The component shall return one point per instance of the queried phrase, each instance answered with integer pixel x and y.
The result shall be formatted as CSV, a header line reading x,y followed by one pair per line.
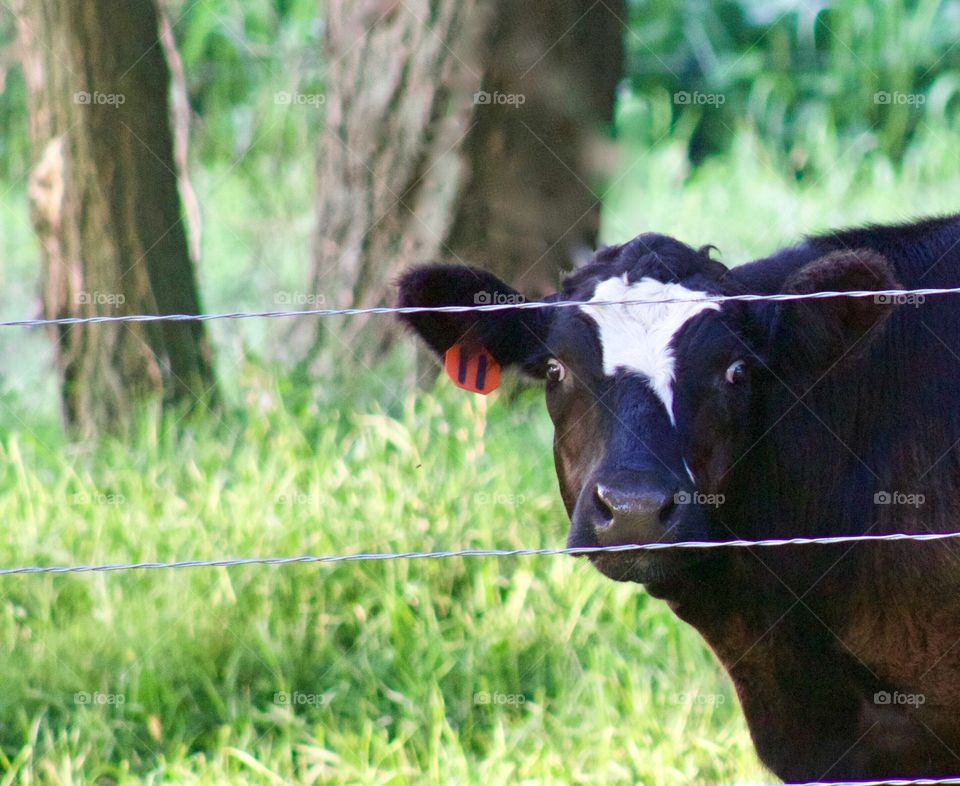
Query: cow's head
x,y
654,405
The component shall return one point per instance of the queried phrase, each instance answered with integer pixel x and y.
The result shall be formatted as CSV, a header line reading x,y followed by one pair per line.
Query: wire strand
x,y
896,296
227,562
885,782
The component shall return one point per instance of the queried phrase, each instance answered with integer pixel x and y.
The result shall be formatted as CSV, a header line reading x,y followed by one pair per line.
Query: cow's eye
x,y
555,371
736,373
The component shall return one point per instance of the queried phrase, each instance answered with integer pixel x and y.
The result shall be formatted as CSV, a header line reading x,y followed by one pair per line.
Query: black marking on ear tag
x,y
481,372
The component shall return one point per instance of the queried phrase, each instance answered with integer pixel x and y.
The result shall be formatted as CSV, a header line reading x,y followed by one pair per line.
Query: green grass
x,y
388,656
743,204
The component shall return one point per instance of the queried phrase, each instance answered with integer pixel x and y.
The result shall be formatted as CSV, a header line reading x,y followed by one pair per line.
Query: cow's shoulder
x,y
893,239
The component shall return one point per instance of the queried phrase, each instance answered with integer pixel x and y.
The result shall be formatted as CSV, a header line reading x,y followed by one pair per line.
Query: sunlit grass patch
x,y
513,669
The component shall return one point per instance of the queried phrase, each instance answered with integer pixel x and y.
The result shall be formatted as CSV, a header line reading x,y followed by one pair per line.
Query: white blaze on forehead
x,y
638,337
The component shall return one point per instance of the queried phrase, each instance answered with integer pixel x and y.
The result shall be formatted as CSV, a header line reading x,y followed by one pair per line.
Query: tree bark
x,y
460,130
107,211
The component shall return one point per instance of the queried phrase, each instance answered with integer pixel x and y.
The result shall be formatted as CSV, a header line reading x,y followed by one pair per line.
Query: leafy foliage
x,y
789,69
240,58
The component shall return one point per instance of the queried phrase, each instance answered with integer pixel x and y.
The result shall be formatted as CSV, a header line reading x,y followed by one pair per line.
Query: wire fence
x,y
884,782
886,296
577,551
889,296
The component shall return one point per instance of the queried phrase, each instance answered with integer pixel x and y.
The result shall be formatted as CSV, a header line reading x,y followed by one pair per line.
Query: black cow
x,y
693,420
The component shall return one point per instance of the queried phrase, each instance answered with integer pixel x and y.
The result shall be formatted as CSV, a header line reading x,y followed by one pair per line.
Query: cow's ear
x,y
513,337
822,332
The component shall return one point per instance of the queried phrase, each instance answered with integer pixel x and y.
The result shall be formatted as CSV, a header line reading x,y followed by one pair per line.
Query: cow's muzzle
x,y
624,508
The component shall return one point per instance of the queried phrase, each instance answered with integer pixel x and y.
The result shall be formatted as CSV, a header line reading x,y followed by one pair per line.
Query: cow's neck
x,y
809,700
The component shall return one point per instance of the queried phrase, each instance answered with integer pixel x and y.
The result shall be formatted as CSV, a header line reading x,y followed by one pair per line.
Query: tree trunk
x,y
460,130
106,208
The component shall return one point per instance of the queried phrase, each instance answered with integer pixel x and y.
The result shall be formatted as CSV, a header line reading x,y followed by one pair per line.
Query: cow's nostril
x,y
667,510
604,504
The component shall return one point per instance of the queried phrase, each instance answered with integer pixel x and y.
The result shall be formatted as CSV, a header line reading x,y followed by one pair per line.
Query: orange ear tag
x,y
477,372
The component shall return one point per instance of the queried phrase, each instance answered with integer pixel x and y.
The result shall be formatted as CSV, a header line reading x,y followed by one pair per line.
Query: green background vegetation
x,y
360,459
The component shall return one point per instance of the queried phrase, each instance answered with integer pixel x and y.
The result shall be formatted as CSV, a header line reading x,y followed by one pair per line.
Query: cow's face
x,y
655,405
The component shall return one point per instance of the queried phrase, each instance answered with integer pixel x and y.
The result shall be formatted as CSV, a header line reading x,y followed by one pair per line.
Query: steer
x,y
695,420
